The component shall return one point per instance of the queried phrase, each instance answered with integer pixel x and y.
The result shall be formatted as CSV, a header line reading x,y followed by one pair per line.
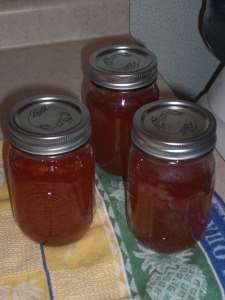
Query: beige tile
x,y
60,68
35,22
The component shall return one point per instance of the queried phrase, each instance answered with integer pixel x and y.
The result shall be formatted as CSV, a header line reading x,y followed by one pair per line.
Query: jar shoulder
x,y
143,163
98,94
24,162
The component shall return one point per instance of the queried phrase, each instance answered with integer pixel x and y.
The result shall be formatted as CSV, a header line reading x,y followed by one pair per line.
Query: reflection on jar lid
x,y
48,124
123,67
174,129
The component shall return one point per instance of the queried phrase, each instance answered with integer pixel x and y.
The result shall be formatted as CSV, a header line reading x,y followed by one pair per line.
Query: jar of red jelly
x,y
51,169
122,79
171,174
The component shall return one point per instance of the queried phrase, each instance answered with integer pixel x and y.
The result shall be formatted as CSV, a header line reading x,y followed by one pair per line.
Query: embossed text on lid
x,y
48,124
123,67
174,129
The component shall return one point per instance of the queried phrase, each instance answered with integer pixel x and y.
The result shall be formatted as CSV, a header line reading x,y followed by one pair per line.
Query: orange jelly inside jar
x,y
52,190
169,203
171,175
122,79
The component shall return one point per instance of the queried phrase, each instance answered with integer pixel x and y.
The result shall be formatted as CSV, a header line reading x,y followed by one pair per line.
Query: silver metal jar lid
x,y
174,129
48,125
123,67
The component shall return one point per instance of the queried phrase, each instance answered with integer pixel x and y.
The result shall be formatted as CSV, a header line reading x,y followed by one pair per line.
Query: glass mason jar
x,y
122,79
171,174
51,169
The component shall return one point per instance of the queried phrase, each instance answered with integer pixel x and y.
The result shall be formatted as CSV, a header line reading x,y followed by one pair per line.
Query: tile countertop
x,y
62,68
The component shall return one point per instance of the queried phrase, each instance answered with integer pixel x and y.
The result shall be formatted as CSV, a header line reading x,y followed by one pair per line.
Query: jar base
x,y
112,170
163,248
58,241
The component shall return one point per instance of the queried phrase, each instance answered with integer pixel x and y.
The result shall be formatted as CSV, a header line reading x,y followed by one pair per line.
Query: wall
x,y
171,29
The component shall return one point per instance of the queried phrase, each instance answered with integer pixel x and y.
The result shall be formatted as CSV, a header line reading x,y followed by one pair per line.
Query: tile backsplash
x,y
26,23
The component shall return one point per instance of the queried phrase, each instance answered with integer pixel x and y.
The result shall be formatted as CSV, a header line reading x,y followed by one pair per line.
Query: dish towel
x,y
108,262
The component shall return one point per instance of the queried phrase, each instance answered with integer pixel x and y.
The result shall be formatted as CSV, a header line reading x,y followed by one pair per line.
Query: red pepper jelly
x,y
171,174
51,169
122,79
